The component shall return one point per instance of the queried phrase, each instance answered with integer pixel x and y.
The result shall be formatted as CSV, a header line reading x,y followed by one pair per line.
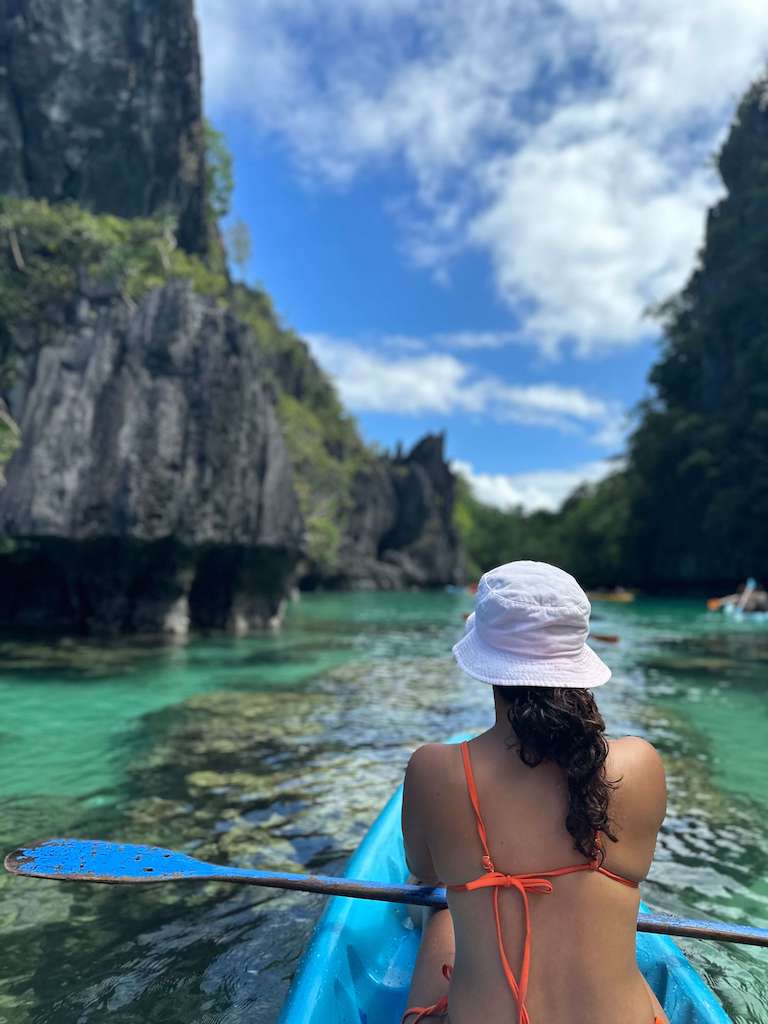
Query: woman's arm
x,y
638,805
415,818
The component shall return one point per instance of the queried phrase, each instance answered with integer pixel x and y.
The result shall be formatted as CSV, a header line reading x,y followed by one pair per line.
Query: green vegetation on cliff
x,y
50,250
691,505
219,177
9,439
323,442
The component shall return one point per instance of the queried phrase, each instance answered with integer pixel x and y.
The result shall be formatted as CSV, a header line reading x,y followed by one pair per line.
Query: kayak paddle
x,y
94,860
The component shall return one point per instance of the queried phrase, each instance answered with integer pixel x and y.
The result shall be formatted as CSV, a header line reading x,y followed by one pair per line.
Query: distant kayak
x,y
750,602
357,968
621,595
739,615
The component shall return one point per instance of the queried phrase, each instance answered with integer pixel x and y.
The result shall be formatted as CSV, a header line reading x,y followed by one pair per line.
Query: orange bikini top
x,y
533,882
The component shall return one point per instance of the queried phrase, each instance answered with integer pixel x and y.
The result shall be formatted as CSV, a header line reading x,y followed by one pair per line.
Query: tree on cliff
x,y
219,177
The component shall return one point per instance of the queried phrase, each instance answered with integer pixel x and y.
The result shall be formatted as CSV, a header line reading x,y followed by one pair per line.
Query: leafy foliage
x,y
9,439
322,481
219,178
47,250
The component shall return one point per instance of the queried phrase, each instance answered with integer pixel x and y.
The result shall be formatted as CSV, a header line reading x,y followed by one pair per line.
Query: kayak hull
x,y
357,967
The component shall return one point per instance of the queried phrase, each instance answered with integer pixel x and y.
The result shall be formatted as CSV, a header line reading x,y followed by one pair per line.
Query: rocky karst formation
x,y
100,103
153,489
400,530
174,437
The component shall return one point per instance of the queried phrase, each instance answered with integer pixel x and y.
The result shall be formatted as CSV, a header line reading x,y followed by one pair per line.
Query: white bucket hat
x,y
529,628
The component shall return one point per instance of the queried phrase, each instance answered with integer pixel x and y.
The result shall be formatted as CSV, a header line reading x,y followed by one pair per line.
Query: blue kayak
x,y
357,968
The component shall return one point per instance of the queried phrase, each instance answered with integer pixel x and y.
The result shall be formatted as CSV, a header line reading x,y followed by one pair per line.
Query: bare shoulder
x,y
635,754
427,756
641,793
429,759
431,769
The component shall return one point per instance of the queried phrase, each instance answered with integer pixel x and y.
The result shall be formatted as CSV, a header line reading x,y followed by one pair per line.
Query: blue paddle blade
x,y
95,860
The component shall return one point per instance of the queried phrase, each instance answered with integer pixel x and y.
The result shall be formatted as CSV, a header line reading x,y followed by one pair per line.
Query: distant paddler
x,y
749,597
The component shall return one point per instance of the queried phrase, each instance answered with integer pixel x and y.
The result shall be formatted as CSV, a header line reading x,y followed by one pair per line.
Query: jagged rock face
x,y
101,104
152,476
422,541
400,531
373,513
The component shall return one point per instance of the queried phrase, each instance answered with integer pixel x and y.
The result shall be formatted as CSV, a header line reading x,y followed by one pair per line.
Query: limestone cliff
x,y
153,479
100,103
182,461
399,530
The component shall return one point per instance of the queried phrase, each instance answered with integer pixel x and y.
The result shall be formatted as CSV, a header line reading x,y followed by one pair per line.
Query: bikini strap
x,y
629,882
597,865
474,800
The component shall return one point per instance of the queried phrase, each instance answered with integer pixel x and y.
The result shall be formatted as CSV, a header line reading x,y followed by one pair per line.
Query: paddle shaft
x,y
426,896
184,868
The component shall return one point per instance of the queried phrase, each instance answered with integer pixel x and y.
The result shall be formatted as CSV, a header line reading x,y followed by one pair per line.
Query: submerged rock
x,y
248,778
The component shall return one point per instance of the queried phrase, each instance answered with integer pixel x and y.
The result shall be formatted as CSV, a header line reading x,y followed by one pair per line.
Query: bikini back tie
x,y
497,881
534,882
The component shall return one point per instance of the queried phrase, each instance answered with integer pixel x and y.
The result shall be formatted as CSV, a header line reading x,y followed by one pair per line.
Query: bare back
x,y
583,968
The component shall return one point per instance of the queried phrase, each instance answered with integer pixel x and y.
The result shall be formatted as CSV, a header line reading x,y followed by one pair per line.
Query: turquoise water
x,y
277,751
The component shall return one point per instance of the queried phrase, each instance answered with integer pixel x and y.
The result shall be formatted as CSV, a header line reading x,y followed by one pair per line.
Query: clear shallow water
x,y
278,751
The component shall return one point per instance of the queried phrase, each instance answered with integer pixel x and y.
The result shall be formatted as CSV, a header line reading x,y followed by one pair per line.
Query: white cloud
x,y
451,340
437,382
568,141
410,385
541,489
609,235
476,339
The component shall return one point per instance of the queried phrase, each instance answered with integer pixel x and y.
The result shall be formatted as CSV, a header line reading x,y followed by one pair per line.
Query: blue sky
x,y
465,206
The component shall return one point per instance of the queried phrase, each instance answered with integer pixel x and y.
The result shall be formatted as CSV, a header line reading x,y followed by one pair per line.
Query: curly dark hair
x,y
565,726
